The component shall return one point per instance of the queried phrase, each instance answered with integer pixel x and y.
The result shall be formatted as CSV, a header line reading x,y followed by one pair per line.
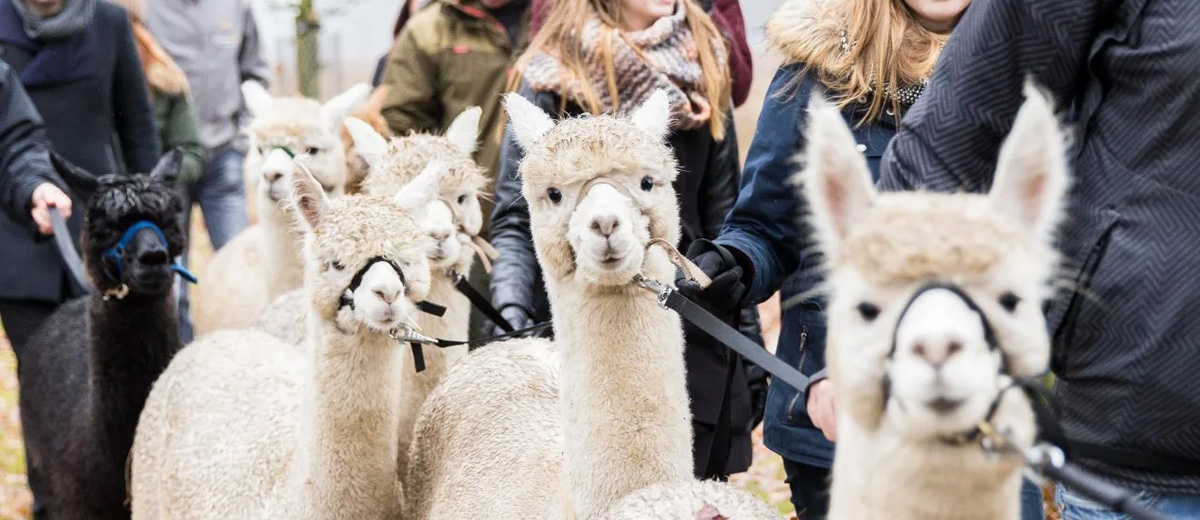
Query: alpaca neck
x,y
347,450
281,249
132,341
623,401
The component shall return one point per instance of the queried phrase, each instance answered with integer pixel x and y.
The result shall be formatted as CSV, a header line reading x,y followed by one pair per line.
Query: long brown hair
x,y
887,48
559,37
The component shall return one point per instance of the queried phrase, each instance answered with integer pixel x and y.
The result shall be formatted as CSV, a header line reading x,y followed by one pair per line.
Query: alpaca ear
x,y
529,123
378,98
464,130
307,195
654,116
836,180
1031,173
369,145
422,190
168,167
341,105
258,100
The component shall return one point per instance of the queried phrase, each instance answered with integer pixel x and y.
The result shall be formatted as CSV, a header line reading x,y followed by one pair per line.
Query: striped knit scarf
x,y
662,56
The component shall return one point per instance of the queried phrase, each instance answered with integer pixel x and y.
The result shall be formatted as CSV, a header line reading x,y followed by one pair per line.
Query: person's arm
x,y
516,275
24,152
132,113
950,139
764,224
252,64
412,104
179,130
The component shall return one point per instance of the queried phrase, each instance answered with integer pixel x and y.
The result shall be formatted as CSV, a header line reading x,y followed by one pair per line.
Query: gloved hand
x,y
723,297
515,315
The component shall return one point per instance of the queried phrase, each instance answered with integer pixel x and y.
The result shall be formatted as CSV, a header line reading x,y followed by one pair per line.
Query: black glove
x,y
756,380
515,315
724,296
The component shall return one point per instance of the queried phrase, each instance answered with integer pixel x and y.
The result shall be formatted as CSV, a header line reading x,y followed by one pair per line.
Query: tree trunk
x,y
308,56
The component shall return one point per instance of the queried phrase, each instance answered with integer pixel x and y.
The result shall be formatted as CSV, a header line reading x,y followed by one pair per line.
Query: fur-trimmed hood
x,y
793,23
162,73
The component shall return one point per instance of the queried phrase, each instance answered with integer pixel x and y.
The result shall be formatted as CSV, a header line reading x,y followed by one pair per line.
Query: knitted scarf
x,y
74,16
662,56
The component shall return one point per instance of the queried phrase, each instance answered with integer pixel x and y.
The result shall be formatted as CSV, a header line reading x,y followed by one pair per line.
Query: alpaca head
x,y
365,256
454,217
599,188
371,113
291,129
133,230
934,296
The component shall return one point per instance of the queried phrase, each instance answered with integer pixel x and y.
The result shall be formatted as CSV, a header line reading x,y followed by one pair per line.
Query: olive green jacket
x,y
177,129
450,56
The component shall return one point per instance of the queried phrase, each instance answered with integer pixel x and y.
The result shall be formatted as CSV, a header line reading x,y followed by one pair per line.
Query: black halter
x,y
989,336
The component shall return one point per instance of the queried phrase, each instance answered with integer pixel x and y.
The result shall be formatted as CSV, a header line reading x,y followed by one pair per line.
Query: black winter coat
x,y
92,95
24,149
706,189
1127,340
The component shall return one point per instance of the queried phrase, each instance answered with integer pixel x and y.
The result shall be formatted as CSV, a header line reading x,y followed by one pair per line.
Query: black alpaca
x,y
89,368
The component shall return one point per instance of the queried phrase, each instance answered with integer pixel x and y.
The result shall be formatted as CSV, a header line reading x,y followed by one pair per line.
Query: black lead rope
x,y
480,302
68,253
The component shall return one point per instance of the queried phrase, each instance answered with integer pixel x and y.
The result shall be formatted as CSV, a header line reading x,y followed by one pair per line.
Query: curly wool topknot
x,y
120,201
578,149
407,157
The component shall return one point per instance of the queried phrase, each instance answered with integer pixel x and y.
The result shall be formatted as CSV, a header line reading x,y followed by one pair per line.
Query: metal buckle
x,y
661,290
406,334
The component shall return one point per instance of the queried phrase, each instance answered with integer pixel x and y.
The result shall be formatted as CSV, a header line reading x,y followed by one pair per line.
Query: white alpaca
x,y
242,425
452,220
527,429
264,261
933,295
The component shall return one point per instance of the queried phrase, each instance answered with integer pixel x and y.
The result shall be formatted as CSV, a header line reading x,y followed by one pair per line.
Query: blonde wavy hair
x,y
888,48
558,37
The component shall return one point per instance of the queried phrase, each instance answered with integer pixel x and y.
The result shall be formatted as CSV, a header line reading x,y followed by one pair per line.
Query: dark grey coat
x,y
1127,343
24,149
91,93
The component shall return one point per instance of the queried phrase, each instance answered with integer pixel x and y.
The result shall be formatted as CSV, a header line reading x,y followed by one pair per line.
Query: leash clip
x,y
407,334
661,290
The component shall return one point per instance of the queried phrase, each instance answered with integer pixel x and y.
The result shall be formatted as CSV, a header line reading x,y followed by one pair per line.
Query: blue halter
x,y
116,253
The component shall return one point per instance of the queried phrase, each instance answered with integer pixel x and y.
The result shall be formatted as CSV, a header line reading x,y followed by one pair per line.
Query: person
x,y
217,44
873,58
678,49
406,12
29,186
169,91
726,14
77,61
1125,333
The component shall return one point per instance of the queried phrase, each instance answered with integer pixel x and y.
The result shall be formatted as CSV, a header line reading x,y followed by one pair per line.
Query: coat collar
x,y
53,62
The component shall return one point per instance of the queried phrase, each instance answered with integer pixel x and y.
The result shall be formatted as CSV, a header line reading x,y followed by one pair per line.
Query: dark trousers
x,y
810,489
21,318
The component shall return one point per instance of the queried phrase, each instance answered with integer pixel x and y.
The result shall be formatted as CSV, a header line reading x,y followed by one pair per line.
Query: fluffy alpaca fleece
x,y
622,421
244,426
895,413
89,368
264,261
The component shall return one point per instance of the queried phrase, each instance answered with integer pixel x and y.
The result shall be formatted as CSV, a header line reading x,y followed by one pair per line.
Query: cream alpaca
x,y
491,437
264,261
954,284
452,220
244,426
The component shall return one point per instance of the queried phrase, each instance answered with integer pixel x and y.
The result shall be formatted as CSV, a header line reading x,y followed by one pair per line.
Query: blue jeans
x,y
221,193
810,493
1076,507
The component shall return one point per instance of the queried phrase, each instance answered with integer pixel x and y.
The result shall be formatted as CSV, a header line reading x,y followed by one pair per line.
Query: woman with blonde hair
x,y
872,58
606,56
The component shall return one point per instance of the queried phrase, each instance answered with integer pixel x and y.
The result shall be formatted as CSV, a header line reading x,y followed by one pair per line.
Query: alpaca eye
x,y
1009,301
647,183
312,150
868,311
554,194
336,265
462,199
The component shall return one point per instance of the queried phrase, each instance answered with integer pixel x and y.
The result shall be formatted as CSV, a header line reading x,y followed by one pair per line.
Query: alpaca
x,y
271,431
523,430
356,167
935,303
88,370
264,261
453,221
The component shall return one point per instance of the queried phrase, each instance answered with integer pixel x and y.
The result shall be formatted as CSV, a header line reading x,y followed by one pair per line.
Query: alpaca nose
x,y
387,294
938,352
153,257
606,224
440,235
272,176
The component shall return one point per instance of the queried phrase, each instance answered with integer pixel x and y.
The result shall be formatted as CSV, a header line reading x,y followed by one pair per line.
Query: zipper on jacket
x,y
791,408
